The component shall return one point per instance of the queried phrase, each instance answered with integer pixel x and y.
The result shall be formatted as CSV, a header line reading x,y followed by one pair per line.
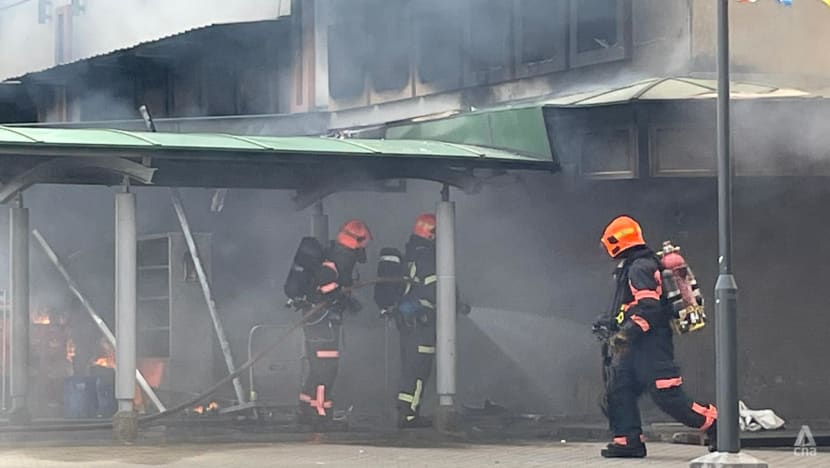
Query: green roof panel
x,y
513,130
98,140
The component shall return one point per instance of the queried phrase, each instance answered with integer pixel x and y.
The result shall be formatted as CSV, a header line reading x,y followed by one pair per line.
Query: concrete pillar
x,y
445,346
322,19
19,285
320,224
125,422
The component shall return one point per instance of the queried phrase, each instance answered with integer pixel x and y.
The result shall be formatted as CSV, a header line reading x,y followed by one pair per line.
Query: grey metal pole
x,y
445,346
76,290
126,303
19,279
726,289
320,224
203,281
3,343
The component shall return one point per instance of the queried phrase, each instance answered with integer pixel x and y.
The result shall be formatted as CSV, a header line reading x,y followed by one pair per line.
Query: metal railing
x,y
253,395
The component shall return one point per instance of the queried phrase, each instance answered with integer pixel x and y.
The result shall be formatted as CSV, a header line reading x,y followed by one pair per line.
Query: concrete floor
x,y
312,454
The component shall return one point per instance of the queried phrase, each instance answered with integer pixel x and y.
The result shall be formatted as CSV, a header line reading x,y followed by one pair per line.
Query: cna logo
x,y
805,444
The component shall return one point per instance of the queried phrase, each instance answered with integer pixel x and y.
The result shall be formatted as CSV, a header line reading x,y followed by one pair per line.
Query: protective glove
x,y
619,343
409,308
463,308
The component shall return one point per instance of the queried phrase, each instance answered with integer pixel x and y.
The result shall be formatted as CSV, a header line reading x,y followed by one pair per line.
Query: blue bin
x,y
105,396
80,397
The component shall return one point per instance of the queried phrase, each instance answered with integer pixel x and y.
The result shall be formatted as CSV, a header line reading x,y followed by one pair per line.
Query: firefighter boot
x,y
410,421
303,415
625,447
712,437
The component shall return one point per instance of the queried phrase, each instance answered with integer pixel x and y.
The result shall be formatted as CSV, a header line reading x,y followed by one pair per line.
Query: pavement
x,y
312,453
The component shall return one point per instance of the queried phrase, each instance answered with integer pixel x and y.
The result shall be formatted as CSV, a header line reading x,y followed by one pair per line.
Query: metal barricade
x,y
276,378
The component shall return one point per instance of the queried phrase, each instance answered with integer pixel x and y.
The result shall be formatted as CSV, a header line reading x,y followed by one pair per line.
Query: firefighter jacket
x,y
639,304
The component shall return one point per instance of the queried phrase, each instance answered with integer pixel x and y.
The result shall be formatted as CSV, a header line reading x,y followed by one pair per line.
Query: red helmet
x,y
354,234
425,226
622,234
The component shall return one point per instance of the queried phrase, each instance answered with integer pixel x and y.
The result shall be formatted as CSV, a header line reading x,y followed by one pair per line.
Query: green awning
x,y
321,165
97,142
528,126
520,129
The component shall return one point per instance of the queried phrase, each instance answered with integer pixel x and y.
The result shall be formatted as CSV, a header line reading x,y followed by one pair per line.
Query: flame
x,y
105,361
212,406
70,350
41,319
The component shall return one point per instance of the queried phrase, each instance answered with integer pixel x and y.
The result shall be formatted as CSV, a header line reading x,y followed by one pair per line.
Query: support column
x,y
445,415
19,286
125,422
726,289
320,224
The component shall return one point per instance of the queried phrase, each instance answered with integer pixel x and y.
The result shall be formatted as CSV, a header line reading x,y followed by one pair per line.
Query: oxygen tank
x,y
391,266
681,291
300,281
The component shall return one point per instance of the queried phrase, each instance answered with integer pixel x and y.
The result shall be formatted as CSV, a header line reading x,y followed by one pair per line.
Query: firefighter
x,y
642,351
322,328
416,321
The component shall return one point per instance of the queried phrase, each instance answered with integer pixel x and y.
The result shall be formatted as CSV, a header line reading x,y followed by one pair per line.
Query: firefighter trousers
x,y
649,367
417,342
322,348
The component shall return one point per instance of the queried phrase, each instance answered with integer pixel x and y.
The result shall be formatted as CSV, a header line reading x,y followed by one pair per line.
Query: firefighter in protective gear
x,y
416,321
642,348
322,328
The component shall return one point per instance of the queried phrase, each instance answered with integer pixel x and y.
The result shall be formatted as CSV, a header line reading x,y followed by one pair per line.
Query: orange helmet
x,y
425,226
622,234
354,234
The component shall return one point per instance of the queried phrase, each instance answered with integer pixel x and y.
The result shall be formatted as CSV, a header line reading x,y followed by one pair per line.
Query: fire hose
x,y
143,420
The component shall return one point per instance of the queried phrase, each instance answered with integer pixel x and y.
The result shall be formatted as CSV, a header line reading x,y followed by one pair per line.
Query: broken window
x,y
599,30
541,36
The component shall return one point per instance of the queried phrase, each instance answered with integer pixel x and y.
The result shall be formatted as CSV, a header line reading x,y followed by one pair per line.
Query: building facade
x,y
317,66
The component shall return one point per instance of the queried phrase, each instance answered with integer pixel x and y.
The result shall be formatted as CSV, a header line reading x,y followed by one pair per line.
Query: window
x,y
389,66
489,46
153,290
63,35
609,153
438,43
600,31
541,36
685,149
347,57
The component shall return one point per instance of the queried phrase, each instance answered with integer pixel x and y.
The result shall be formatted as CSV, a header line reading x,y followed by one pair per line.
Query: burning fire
x,y
70,350
107,357
41,317
212,406
105,361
